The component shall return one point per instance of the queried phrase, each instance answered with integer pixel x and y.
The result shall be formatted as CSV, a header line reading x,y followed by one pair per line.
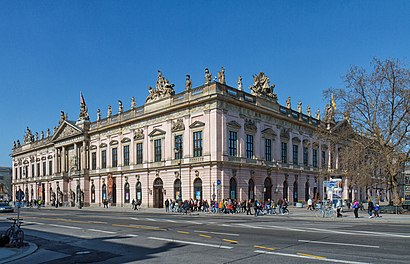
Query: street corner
x,y
9,254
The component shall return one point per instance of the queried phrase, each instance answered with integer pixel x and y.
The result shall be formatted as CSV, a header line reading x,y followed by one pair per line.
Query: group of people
x,y
227,206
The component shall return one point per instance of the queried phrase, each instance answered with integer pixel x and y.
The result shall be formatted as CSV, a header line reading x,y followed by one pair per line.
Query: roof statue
x,y
36,136
120,106
208,77
63,117
162,89
309,113
261,86
83,109
98,114
109,111
240,87
28,137
42,135
48,132
318,114
288,106
188,83
133,103
221,76
299,107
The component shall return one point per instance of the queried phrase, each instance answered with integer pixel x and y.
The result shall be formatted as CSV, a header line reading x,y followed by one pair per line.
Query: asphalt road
x,y
74,236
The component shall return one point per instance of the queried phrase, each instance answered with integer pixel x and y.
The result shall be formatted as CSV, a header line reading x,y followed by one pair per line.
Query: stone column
x,y
63,159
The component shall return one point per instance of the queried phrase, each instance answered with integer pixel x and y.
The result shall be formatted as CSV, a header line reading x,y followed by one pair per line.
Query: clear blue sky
x,y
110,50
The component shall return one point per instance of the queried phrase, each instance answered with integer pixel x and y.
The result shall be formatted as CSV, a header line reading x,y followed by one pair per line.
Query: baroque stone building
x,y
209,142
5,183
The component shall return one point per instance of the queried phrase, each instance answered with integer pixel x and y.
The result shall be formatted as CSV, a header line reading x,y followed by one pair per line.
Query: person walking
x,y
370,207
133,204
310,204
248,207
339,207
356,208
167,205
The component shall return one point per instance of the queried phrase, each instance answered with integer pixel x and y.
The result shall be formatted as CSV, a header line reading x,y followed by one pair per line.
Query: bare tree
x,y
376,110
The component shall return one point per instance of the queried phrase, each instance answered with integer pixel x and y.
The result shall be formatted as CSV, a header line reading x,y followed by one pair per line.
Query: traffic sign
x,y
218,182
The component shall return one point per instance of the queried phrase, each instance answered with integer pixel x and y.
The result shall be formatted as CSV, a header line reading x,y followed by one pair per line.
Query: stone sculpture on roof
x,y
288,106
28,137
208,77
261,86
188,83
120,106
221,76
109,111
240,87
163,88
133,103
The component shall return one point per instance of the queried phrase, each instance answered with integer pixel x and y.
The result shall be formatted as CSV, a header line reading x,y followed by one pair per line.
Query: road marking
x,y
190,242
36,223
183,232
156,228
215,233
102,231
263,247
97,222
224,225
335,243
150,219
172,221
309,257
206,236
133,218
71,227
230,241
132,235
193,222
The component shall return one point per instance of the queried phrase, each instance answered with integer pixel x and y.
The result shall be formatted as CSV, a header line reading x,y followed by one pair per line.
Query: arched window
x,y
127,193
251,190
104,192
93,193
267,189
232,188
198,188
307,191
285,189
138,190
295,192
177,190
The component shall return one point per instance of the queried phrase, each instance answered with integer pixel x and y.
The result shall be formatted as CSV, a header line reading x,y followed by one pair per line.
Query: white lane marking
x,y
190,242
131,235
150,219
321,230
309,257
101,231
172,221
63,226
36,223
97,222
134,218
193,222
336,243
216,233
225,225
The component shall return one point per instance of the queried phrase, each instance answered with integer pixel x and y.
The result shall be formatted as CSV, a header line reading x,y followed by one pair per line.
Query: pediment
x,y
269,132
66,130
156,132
234,124
197,124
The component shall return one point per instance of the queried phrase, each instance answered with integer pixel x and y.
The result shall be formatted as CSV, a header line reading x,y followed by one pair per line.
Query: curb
x,y
21,253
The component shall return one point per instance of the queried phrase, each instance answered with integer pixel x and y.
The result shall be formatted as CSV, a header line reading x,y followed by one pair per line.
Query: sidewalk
x,y
10,254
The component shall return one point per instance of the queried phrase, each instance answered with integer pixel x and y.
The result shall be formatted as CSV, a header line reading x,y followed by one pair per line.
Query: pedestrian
x,y
370,207
133,204
376,210
167,205
339,207
310,204
356,208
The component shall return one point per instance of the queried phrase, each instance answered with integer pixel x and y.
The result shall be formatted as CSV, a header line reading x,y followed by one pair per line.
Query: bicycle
x,y
15,233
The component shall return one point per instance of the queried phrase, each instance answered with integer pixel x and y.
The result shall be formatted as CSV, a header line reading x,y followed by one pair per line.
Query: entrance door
x,y
114,193
158,193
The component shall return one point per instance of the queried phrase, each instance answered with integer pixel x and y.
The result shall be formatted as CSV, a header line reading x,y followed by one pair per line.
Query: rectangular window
x,y
20,171
157,150
305,156
178,147
103,159
314,158
249,146
38,169
295,154
323,159
126,154
268,149
197,144
114,157
284,152
233,141
50,167
94,160
32,170
139,153
15,173
44,168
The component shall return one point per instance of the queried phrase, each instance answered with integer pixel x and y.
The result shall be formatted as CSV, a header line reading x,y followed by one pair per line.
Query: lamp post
x,y
79,190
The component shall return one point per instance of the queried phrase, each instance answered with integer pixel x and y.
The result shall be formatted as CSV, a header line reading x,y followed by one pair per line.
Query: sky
x,y
112,50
